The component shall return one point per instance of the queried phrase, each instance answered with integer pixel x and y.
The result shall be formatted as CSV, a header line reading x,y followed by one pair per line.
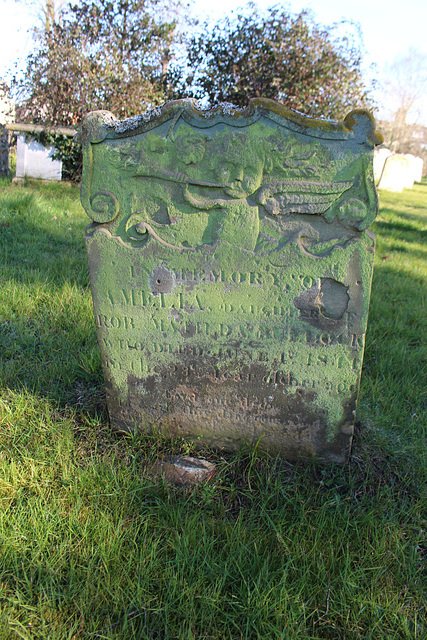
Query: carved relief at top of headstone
x,y
230,263
198,164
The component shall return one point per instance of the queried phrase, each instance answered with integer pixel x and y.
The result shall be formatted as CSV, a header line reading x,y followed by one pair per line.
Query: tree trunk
x,y
4,151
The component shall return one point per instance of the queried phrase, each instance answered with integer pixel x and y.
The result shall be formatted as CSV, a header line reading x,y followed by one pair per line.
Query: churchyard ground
x,y
92,545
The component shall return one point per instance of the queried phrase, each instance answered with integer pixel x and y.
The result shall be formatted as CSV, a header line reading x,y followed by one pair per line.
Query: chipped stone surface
x,y
231,263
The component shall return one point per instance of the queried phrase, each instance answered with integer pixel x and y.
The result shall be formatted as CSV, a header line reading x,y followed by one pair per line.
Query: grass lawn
x,y
93,547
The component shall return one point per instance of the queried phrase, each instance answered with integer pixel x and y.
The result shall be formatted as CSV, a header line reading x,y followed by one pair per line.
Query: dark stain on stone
x,y
188,330
200,398
161,215
189,397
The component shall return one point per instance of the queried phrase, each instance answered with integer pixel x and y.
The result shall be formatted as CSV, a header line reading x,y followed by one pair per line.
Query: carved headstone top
x,y
215,159
230,264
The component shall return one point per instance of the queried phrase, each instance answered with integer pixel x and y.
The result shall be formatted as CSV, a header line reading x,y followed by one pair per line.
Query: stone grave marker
x,y
380,156
415,166
33,160
230,263
396,174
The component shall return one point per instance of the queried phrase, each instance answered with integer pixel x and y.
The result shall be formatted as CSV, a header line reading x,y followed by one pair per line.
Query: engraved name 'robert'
x,y
285,331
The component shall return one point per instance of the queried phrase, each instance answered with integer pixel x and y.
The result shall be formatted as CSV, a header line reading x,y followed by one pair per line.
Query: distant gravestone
x,y
230,264
380,157
33,160
396,174
415,167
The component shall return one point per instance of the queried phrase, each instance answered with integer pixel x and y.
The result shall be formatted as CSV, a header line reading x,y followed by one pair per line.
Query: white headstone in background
x,y
416,167
396,174
380,156
33,160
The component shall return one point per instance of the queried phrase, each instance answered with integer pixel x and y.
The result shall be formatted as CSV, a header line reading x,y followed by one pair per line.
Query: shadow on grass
x,y
411,232
47,333
39,246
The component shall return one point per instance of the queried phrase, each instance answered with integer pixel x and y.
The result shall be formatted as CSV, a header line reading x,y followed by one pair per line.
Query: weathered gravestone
x,y
230,264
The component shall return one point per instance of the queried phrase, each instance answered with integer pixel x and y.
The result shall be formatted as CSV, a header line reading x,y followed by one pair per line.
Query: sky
x,y
389,29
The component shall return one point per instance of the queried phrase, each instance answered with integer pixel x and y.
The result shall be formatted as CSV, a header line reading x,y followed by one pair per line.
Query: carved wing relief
x,y
301,197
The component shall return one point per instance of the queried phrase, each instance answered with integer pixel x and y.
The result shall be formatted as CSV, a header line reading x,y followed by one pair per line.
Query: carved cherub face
x,y
240,168
242,180
190,147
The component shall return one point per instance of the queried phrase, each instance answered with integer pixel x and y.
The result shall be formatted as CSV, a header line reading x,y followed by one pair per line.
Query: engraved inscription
x,y
114,322
253,331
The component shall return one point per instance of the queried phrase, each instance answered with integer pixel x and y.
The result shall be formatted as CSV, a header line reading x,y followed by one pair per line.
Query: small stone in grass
x,y
185,470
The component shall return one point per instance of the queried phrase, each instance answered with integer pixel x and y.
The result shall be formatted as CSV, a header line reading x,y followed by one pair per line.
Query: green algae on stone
x,y
231,268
